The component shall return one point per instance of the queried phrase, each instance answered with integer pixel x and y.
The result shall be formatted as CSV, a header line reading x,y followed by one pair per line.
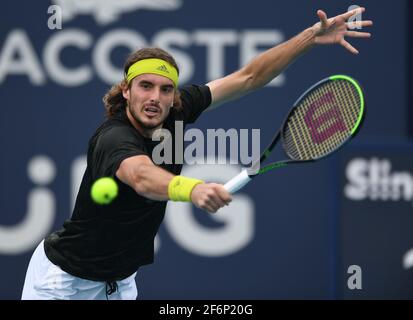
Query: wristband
x,y
180,188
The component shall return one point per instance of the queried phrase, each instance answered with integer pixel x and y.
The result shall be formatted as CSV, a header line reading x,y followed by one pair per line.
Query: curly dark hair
x,y
114,100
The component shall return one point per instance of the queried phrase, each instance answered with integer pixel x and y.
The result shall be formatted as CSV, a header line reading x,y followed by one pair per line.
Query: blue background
x,y
297,236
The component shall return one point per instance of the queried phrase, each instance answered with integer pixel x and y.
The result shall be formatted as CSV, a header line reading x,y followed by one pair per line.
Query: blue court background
x,y
297,231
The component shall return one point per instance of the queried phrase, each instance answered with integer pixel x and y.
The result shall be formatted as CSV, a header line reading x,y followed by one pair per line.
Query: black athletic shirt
x,y
109,243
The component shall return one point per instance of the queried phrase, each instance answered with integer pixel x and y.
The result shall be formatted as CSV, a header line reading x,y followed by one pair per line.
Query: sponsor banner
x,y
59,57
375,221
409,117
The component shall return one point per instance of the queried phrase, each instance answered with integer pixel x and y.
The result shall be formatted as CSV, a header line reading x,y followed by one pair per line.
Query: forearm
x,y
152,182
147,179
268,65
261,70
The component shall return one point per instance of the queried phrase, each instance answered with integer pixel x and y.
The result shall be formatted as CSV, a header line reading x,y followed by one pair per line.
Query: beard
x,y
141,123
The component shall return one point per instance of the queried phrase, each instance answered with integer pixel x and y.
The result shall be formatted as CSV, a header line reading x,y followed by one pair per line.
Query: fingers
x,y
334,30
218,196
349,47
355,34
215,203
207,204
212,205
209,208
223,194
348,14
323,17
359,24
214,196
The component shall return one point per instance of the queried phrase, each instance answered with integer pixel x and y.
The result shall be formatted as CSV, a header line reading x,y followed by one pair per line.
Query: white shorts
x,y
46,281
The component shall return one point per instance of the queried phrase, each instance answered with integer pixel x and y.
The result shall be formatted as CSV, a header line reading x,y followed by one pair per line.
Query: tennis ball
x,y
104,190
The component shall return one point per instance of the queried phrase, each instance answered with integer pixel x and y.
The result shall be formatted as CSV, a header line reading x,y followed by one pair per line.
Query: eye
x,y
145,85
167,89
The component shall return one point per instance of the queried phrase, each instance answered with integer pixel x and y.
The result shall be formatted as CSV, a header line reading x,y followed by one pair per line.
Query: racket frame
x,y
247,175
278,136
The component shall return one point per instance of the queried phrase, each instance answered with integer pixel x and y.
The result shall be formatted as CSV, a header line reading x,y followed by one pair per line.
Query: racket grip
x,y
237,182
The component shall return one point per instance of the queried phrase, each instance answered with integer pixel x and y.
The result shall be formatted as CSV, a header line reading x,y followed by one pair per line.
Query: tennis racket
x,y
323,119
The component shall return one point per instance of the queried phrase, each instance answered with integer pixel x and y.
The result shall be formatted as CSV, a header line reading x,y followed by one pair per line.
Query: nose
x,y
155,96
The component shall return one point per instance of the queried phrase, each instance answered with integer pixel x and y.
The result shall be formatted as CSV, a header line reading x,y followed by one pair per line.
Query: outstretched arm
x,y
266,66
151,181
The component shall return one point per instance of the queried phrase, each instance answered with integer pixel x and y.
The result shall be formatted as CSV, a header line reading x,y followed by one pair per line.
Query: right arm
x,y
148,180
151,181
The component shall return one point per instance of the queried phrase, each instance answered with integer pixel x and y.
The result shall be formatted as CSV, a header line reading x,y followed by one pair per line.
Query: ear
x,y
125,90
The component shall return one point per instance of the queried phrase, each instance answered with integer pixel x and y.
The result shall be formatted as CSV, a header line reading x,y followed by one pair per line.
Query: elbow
x,y
141,189
251,79
133,176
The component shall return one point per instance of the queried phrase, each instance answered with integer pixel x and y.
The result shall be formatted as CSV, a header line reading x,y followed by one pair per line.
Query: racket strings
x,y
322,121
323,141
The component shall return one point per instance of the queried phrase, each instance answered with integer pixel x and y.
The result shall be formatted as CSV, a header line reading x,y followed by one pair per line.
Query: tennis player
x,y
99,249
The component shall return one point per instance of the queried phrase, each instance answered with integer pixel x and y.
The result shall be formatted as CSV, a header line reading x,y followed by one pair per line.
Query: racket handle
x,y
237,182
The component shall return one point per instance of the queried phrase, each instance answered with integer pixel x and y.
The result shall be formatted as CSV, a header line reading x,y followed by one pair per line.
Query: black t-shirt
x,y
109,243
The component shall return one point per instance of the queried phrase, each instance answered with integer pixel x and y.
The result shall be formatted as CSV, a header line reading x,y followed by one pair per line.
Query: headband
x,y
154,66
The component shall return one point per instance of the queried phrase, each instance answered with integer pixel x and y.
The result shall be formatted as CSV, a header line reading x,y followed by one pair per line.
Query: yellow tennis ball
x,y
104,190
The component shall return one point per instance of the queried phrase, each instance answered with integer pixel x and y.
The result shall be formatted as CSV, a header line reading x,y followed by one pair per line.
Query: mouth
x,y
151,110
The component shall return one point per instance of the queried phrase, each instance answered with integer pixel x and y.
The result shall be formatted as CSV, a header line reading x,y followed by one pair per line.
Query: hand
x,y
210,196
333,30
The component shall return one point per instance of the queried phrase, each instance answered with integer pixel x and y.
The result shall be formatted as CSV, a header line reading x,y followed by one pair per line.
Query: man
x,y
98,251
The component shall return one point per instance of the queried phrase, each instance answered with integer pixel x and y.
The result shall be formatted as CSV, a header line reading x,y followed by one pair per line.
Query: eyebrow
x,y
151,83
145,82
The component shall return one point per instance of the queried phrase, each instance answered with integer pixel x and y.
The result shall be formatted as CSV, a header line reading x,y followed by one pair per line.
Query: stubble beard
x,y
143,125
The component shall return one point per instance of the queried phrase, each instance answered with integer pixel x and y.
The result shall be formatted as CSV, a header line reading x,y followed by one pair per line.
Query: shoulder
x,y
191,93
114,133
195,99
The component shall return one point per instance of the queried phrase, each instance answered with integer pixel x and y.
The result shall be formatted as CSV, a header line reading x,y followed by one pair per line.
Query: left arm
x,y
269,64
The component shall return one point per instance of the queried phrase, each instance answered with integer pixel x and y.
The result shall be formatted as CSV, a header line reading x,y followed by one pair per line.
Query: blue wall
x,y
291,234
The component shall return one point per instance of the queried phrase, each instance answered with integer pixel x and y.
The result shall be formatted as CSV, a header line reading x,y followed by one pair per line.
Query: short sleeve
x,y
195,99
112,147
